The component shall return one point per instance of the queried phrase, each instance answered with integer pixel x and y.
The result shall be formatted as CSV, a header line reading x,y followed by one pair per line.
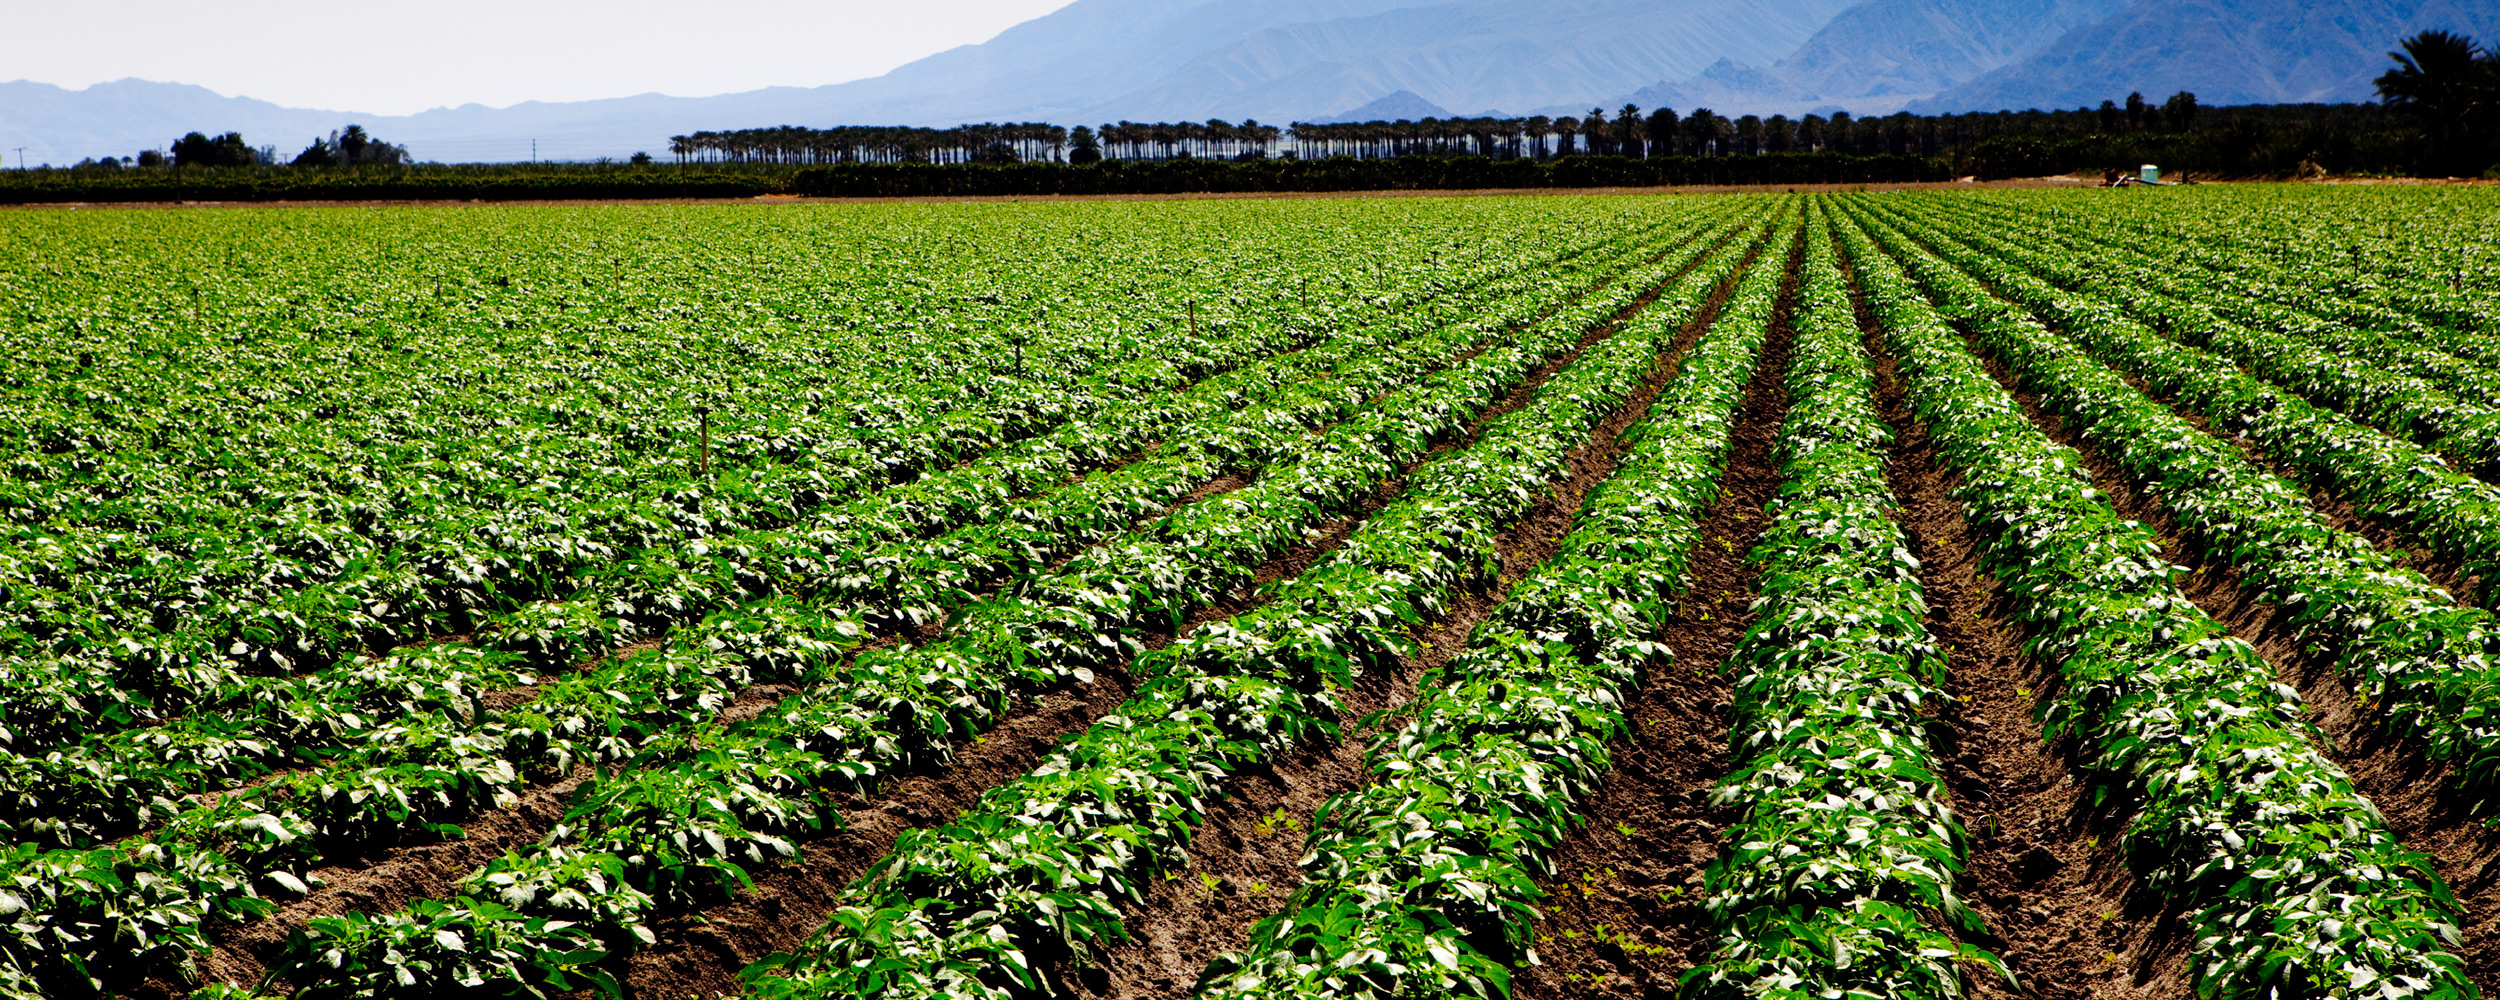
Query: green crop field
x,y
2050,594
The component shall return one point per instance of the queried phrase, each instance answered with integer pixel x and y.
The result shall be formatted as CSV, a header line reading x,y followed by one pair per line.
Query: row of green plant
x,y
2414,656
683,830
884,559
2459,424
876,180
311,533
1043,866
2328,317
1839,878
2397,267
506,182
2395,483
2297,884
1340,173
1425,882
151,574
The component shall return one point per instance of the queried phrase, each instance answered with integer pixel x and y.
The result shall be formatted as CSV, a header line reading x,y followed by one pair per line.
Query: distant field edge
x,y
1339,176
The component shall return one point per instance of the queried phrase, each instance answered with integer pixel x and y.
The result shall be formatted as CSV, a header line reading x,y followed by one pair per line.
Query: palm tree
x,y
2179,111
1749,135
1699,131
1663,125
1778,135
2451,86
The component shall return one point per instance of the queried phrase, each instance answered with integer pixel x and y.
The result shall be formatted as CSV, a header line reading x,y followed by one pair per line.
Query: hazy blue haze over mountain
x,y
1879,56
1513,55
2226,51
1285,60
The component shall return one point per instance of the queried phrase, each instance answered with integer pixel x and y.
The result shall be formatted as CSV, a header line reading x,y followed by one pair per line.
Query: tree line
x,y
1627,131
791,144
347,147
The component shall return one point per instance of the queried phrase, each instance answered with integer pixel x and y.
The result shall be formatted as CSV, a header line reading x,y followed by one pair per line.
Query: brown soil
x,y
2423,805
2044,868
386,882
1620,917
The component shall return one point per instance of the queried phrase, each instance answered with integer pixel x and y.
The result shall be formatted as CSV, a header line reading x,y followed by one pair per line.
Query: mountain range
x,y
1280,61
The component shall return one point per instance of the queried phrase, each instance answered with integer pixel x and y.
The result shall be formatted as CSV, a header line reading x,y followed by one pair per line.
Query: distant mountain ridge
x,y
1279,61
1879,56
2225,51
1404,105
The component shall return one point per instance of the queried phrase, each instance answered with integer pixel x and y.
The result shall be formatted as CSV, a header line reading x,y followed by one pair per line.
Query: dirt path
x,y
1621,919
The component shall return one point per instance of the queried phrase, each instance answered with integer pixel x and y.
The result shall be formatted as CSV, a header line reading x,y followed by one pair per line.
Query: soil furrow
x,y
1245,860
1621,918
2046,871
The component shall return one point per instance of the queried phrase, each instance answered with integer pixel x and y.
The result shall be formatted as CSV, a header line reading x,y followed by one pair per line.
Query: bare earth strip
x,y
1622,920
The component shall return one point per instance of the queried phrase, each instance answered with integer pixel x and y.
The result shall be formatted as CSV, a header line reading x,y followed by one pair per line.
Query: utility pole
x,y
21,157
533,152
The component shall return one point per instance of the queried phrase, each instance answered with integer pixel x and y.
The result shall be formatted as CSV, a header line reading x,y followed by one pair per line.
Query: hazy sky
x,y
409,55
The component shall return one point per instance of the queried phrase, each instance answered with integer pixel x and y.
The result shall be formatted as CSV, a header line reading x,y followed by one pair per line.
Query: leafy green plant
x,y
2173,710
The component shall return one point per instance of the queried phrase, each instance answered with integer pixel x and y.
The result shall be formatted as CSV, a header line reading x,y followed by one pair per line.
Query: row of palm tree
x,y
1626,131
1214,137
985,143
